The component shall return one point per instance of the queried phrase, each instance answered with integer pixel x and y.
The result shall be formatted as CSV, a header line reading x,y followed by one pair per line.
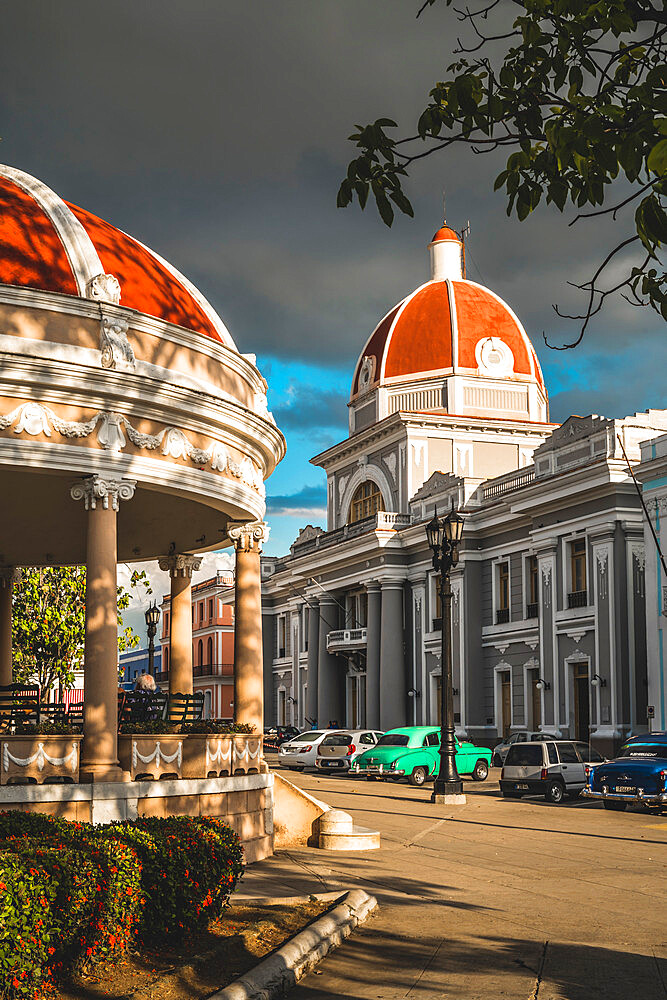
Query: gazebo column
x,y
9,575
180,568
248,668
99,754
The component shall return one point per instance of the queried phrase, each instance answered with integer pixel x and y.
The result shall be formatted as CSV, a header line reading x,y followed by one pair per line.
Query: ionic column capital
x,y
109,492
248,537
181,564
9,575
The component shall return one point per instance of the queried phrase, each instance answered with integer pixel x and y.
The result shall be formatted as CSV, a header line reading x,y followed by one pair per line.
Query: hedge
x,y
74,892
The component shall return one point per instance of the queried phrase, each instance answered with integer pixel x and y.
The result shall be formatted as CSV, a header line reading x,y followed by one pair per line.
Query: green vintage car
x,y
413,752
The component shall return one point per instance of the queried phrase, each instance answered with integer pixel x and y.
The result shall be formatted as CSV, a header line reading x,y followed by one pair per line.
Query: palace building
x,y
448,404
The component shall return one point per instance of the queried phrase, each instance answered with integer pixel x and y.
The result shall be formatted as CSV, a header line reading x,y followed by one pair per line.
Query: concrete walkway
x,y
496,899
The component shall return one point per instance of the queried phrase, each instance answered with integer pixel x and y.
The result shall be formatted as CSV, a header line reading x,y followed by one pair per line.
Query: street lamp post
x,y
152,619
444,537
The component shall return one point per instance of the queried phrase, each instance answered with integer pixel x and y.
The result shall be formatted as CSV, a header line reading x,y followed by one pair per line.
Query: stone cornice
x,y
132,393
72,305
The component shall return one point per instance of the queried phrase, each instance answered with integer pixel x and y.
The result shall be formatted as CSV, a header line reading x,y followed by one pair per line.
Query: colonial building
x,y
653,475
448,403
212,643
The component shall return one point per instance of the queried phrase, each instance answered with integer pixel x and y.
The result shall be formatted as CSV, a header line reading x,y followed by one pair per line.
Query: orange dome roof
x,y
51,245
445,233
442,328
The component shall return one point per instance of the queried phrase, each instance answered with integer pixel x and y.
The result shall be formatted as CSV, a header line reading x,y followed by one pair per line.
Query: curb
x,y
312,897
277,974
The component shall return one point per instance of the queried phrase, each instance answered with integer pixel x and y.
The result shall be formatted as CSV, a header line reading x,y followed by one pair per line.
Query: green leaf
x,y
657,158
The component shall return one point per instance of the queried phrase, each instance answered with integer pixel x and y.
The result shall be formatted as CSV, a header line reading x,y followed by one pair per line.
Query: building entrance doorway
x,y
282,707
356,701
536,700
506,702
582,706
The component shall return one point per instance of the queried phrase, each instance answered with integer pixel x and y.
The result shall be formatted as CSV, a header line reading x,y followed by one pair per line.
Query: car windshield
x,y
310,734
656,751
337,740
394,740
523,755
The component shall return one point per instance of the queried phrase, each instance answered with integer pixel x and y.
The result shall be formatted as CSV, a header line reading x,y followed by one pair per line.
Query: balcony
x,y
384,520
346,639
508,483
531,610
212,669
577,599
502,616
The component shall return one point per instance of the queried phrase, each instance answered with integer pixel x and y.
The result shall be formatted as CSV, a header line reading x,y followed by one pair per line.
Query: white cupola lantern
x,y
447,256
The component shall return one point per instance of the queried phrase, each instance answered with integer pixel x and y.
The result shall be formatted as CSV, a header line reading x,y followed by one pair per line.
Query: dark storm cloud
x,y
215,132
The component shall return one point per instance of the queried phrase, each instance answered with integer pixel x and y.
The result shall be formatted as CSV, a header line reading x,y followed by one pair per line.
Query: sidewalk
x,y
497,899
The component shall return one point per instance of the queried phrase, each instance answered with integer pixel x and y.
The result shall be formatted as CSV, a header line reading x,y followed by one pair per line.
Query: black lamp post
x,y
444,537
152,619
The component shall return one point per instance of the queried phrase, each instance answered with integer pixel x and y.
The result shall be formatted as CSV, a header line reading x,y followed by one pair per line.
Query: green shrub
x,y
190,868
95,909
74,892
219,726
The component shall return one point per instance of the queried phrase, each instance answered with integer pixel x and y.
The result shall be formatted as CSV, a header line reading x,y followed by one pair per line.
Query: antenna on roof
x,y
444,208
466,230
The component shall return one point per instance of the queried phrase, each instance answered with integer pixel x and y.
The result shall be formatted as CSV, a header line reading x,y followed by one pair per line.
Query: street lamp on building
x,y
152,619
444,537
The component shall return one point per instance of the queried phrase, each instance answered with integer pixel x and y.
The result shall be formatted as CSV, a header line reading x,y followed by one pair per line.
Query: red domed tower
x,y
449,382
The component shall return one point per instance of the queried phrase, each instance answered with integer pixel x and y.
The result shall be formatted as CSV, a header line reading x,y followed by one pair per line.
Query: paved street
x,y
500,898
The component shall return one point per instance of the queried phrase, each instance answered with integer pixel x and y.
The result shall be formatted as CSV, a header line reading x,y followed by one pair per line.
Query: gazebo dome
x,y
454,334
114,367
54,246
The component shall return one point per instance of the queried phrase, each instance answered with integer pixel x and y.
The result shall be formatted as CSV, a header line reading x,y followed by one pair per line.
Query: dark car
x,y
275,735
637,775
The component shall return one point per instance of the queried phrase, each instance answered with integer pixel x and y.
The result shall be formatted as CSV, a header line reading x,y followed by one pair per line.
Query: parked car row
x,y
412,752
559,769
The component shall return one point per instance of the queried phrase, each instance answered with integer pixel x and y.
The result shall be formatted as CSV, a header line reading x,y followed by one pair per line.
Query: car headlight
x,y
392,766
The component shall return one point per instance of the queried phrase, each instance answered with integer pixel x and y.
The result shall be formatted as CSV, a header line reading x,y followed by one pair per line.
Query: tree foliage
x,y
576,89
48,623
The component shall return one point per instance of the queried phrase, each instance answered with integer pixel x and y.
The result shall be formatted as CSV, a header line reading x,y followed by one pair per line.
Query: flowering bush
x,y
74,892
190,868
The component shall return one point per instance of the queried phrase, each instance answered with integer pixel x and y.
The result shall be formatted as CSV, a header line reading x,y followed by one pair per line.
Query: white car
x,y
301,751
341,746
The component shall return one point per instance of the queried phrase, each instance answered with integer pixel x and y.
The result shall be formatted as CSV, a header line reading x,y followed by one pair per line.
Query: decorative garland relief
x,y
41,757
36,418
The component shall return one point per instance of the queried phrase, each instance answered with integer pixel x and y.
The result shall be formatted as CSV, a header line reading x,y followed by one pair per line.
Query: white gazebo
x,y
131,428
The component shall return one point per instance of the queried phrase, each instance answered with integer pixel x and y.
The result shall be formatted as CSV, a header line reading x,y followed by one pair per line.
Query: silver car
x,y
301,751
552,768
339,748
500,750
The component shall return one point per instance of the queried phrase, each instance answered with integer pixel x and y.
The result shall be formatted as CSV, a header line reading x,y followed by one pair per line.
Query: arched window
x,y
367,500
209,650
200,653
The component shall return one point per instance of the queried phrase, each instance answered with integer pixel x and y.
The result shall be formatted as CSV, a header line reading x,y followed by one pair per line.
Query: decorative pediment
x,y
309,532
573,429
439,482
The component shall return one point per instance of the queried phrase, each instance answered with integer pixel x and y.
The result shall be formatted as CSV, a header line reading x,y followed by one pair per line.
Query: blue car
x,y
637,775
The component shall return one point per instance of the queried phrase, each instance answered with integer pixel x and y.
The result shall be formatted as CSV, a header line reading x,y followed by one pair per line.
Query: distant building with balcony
x,y
212,644
448,404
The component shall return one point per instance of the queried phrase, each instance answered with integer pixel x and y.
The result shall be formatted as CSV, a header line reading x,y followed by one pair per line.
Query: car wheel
x,y
555,792
418,776
481,771
614,806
